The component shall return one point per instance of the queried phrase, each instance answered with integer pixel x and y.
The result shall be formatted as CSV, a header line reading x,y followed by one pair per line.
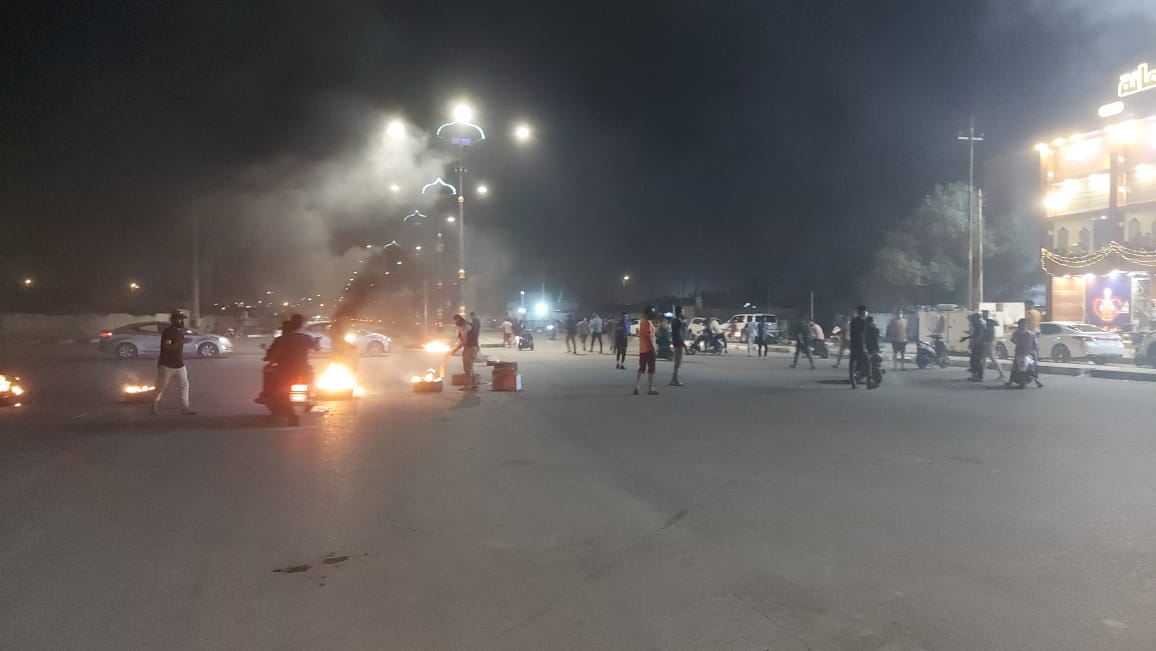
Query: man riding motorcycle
x,y
1026,344
287,359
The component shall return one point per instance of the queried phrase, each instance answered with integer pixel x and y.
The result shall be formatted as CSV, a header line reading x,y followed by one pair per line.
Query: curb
x,y
1098,372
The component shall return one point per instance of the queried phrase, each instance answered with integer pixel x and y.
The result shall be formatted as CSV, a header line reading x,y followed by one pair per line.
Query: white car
x,y
697,325
126,342
1063,341
366,342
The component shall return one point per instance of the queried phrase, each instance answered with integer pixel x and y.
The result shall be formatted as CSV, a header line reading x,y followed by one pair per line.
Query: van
x,y
735,328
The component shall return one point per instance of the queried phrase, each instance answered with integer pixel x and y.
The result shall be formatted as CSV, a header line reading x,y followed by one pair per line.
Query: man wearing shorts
x,y
647,352
897,333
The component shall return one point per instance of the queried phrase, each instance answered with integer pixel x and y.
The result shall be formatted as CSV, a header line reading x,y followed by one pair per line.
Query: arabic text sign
x,y
1139,80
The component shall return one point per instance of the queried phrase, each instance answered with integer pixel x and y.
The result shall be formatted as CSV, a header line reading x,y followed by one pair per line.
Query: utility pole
x,y
196,315
972,137
979,246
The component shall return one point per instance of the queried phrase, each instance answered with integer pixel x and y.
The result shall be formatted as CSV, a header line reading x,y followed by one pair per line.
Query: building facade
x,y
1099,190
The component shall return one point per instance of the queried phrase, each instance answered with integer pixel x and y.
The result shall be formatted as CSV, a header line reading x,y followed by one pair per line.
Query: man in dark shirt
x,y
874,359
571,334
677,328
470,352
856,341
171,363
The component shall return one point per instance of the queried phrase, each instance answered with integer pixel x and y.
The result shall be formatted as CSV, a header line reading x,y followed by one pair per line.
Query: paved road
x,y
756,508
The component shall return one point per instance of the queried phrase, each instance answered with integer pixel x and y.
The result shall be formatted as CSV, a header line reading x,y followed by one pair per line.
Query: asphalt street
x,y
757,507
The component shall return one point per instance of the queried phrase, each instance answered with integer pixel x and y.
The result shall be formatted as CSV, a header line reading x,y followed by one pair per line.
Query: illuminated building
x,y
1099,200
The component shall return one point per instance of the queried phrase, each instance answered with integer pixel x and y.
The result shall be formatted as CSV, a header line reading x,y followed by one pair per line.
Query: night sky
x,y
724,145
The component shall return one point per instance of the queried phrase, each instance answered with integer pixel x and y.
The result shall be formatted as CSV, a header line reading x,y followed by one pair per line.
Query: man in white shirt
x,y
596,327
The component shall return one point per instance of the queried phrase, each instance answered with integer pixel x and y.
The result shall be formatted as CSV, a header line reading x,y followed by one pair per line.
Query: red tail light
x,y
106,334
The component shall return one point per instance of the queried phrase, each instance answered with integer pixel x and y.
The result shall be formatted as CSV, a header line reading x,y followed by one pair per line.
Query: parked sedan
x,y
365,341
127,342
1064,341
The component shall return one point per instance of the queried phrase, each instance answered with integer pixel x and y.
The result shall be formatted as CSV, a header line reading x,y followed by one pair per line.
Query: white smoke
x,y
291,218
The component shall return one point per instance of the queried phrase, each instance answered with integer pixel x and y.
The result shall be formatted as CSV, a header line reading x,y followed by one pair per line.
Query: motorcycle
x,y
285,395
1144,343
712,343
526,340
1025,370
934,352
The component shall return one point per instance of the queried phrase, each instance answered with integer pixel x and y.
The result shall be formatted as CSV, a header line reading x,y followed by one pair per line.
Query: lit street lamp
x,y
483,190
522,132
27,282
625,279
133,286
395,129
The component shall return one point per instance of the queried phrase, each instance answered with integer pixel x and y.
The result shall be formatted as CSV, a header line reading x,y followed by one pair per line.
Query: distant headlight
x,y
350,338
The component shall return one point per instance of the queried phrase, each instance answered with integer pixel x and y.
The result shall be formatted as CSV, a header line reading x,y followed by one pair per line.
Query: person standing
x,y
583,331
571,334
1034,317
469,353
751,334
507,333
678,341
897,335
874,355
596,333
856,344
844,334
989,326
974,338
763,336
647,351
468,344
621,340
803,343
171,363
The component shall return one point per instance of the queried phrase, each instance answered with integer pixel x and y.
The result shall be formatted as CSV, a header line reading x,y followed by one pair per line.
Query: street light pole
x,y
971,139
196,315
462,225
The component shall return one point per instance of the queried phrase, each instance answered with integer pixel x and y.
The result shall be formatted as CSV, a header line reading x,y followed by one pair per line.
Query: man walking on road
x,y
897,335
571,335
171,363
803,343
844,334
857,344
596,332
471,349
647,352
989,325
678,340
621,340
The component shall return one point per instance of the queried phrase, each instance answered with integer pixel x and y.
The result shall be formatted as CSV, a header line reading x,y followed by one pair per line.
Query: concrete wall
x,y
64,327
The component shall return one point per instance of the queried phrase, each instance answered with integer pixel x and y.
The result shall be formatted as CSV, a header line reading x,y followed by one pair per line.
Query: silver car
x,y
127,342
365,341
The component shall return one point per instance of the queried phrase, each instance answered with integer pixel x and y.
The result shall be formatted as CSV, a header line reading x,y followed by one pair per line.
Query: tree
x,y
923,260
